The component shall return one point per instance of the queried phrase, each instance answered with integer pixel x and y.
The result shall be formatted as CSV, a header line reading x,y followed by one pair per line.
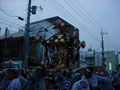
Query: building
x,y
46,29
12,46
118,58
111,61
43,28
98,59
87,58
15,42
90,57
82,59
93,58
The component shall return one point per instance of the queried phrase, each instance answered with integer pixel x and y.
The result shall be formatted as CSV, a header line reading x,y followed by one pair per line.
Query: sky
x,y
89,16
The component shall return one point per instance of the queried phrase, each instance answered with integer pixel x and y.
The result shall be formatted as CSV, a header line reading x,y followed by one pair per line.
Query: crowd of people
x,y
62,79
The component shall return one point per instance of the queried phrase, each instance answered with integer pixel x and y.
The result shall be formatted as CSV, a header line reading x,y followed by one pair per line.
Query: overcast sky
x,y
89,16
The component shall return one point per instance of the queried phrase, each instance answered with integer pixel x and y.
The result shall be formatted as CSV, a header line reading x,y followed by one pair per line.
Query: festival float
x,y
62,49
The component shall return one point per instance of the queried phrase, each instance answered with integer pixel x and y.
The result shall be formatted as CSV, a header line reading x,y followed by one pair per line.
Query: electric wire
x,y
94,37
93,21
65,15
73,8
91,17
86,11
66,10
69,14
109,45
60,10
110,39
10,22
99,26
7,13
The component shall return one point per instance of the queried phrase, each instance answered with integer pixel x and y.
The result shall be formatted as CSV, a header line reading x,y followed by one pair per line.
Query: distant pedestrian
x,y
97,81
81,84
76,77
68,80
36,80
116,81
10,74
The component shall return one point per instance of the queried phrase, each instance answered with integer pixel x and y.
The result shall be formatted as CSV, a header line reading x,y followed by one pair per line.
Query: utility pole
x,y
26,37
103,58
94,56
5,52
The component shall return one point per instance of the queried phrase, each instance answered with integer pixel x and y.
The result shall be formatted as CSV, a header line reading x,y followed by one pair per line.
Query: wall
x,y
82,59
90,59
98,59
39,28
111,61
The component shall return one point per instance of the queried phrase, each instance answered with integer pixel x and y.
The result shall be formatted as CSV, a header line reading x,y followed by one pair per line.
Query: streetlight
x,y
20,18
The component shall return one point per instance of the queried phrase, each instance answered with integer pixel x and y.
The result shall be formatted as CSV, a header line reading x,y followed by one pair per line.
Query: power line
x,y
71,16
114,46
87,13
60,8
65,14
87,20
109,45
7,13
10,22
9,25
94,21
97,24
111,40
20,18
77,13
66,11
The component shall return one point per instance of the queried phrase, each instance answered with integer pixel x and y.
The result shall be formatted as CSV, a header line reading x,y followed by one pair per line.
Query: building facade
x,y
90,57
118,57
44,28
12,47
82,59
111,61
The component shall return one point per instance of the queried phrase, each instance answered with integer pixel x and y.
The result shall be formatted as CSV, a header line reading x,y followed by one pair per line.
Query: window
x,y
110,66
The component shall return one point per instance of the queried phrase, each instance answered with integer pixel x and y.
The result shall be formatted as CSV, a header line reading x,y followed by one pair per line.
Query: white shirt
x,y
81,84
94,81
15,85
